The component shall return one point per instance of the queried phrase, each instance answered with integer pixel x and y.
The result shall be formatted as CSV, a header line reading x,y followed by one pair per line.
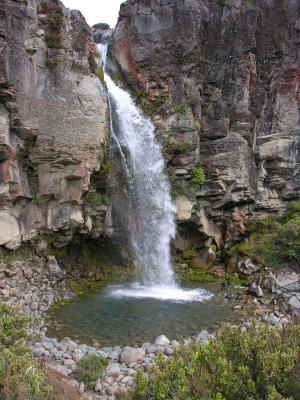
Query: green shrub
x,y
178,148
198,205
90,368
50,63
198,176
93,199
181,108
188,254
161,99
179,186
273,240
55,20
53,41
147,108
259,364
194,100
20,376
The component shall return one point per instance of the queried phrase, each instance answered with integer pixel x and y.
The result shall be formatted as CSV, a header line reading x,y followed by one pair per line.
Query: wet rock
x,y
229,296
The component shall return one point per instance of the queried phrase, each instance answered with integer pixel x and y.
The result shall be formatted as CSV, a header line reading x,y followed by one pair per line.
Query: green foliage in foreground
x,y
20,376
274,240
90,368
262,363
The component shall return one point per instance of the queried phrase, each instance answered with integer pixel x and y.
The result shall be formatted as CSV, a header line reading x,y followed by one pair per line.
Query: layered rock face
x,y
223,77
53,122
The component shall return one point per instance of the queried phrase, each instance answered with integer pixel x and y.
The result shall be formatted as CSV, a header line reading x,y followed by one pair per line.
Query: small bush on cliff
x,y
55,20
53,41
274,240
178,148
198,176
20,376
259,364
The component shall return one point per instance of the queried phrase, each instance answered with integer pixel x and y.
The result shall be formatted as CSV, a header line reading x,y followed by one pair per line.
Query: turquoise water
x,y
112,318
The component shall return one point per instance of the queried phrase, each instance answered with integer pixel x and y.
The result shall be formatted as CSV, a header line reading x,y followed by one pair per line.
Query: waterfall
x,y
151,223
148,204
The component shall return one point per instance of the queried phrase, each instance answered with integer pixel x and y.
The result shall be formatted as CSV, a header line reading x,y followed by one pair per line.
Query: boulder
x,y
53,267
131,355
294,303
9,231
255,290
183,209
285,276
162,340
247,266
154,349
203,337
113,370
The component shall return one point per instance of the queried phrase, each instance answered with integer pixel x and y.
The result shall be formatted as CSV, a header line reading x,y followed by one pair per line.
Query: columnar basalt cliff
x,y
53,123
220,79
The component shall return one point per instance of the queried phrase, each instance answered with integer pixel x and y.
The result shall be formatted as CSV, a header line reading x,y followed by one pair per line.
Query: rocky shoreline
x,y
34,285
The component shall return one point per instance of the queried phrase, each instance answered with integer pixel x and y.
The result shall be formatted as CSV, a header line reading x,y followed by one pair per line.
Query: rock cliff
x,y
53,123
220,80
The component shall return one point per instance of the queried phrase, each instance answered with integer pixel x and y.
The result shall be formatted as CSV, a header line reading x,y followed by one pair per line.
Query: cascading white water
x,y
151,224
151,221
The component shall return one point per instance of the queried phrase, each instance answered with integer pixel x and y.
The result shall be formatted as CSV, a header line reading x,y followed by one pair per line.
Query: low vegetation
x,y
274,240
262,363
90,369
177,148
186,187
198,176
20,376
